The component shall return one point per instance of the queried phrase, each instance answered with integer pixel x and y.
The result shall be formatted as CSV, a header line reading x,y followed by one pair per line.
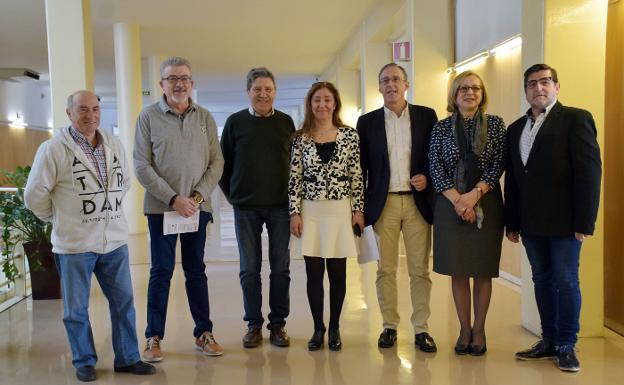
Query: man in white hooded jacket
x,y
77,182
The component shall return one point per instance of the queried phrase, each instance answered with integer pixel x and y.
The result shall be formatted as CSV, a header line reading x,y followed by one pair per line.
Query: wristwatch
x,y
197,197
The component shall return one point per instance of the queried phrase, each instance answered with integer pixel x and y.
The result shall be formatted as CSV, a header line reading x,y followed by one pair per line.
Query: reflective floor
x,y
33,347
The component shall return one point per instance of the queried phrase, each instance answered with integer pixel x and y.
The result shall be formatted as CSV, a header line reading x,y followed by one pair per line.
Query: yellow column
x,y
432,52
129,103
70,52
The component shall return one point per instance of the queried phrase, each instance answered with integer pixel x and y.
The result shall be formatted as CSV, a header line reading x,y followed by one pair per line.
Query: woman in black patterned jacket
x,y
466,161
326,204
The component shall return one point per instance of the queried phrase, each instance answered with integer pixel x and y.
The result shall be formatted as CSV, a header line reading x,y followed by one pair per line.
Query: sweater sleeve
x,y
495,165
228,151
143,167
211,176
41,181
442,181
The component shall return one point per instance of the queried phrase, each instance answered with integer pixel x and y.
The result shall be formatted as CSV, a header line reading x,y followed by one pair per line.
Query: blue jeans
x,y
248,225
555,265
163,263
113,274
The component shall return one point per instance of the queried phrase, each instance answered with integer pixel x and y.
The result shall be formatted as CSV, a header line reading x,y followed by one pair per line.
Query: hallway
x,y
35,350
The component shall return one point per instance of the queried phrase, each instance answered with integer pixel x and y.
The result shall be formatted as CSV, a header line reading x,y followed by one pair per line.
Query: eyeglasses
x,y
392,79
175,79
475,89
544,82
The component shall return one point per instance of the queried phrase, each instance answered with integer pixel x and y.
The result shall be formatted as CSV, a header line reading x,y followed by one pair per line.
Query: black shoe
x,y
539,351
86,373
333,340
425,343
387,338
316,342
253,337
476,350
566,359
139,367
461,349
279,337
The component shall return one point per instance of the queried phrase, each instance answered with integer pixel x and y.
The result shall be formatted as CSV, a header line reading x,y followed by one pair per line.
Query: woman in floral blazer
x,y
326,204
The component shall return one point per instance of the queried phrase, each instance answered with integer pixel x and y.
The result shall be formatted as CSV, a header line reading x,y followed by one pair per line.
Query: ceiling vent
x,y
18,74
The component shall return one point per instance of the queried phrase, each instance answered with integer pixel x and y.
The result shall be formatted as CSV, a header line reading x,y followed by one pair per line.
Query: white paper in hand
x,y
175,223
369,246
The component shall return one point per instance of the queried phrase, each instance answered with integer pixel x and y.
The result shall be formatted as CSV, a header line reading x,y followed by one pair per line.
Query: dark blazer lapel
x,y
417,145
379,125
548,126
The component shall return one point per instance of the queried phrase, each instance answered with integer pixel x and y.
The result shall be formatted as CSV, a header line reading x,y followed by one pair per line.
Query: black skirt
x,y
460,248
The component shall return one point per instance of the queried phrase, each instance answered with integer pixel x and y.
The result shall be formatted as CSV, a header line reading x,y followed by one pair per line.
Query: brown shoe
x,y
253,337
207,345
152,351
279,337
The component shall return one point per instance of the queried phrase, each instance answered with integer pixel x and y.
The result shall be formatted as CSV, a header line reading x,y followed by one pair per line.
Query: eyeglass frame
x,y
545,81
464,89
172,79
391,79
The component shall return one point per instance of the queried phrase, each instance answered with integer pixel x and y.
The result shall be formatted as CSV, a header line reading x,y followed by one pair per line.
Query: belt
x,y
400,192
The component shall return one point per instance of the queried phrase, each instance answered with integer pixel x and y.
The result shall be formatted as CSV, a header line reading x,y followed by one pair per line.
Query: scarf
x,y
471,144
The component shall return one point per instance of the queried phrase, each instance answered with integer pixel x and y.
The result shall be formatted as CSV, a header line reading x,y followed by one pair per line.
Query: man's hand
x,y
513,236
185,206
296,225
580,237
419,182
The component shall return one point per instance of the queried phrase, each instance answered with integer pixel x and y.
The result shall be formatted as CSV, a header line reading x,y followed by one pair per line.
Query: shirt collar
x,y
80,138
164,107
388,112
545,112
254,113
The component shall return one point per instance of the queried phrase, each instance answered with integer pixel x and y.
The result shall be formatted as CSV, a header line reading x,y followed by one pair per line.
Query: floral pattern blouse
x,y
340,178
444,153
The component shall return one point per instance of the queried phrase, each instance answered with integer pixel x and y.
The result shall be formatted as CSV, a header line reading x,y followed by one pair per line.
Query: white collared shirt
x,y
254,113
399,136
529,133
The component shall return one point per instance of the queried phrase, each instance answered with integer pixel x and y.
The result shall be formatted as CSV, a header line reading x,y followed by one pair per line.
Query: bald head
x,y
83,110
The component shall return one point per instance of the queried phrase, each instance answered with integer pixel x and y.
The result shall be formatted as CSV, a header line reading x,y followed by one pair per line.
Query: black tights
x,y
337,273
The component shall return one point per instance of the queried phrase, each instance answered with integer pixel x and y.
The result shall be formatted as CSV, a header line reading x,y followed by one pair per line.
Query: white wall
x,y
481,24
31,100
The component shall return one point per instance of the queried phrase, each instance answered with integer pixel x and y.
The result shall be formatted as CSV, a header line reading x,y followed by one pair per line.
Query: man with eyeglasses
x,y
178,160
256,149
552,192
394,142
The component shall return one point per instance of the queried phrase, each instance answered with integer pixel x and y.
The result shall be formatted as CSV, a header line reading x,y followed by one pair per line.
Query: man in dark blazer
x,y
394,142
552,192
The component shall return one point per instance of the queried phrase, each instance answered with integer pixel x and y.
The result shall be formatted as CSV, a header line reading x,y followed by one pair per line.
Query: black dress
x,y
460,248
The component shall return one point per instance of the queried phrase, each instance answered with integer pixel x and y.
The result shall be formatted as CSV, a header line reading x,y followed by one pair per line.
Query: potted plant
x,y
19,224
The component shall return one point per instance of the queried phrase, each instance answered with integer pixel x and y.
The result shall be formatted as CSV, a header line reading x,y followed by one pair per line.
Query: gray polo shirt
x,y
176,154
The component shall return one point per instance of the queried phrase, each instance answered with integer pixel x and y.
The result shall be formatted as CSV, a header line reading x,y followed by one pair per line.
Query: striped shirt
x,y
95,154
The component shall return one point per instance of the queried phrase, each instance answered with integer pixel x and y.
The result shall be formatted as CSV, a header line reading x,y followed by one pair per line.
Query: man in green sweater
x,y
256,149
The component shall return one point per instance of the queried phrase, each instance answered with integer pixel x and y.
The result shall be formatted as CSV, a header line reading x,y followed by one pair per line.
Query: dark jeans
x,y
163,262
555,265
248,224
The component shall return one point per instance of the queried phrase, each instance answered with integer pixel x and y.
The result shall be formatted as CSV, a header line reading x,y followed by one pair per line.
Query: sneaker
x,y
86,373
279,337
207,345
152,351
139,367
540,351
566,359
253,337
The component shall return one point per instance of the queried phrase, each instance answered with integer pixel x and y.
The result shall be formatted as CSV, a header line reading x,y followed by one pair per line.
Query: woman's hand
x,y
358,219
296,225
469,215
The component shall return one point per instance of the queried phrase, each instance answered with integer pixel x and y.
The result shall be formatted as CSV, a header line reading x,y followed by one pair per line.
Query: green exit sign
x,y
146,93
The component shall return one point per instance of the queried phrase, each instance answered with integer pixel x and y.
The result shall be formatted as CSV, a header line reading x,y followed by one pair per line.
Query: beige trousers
x,y
400,214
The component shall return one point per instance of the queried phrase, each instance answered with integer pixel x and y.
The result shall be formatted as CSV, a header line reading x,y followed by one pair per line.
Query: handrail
x,y
8,189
